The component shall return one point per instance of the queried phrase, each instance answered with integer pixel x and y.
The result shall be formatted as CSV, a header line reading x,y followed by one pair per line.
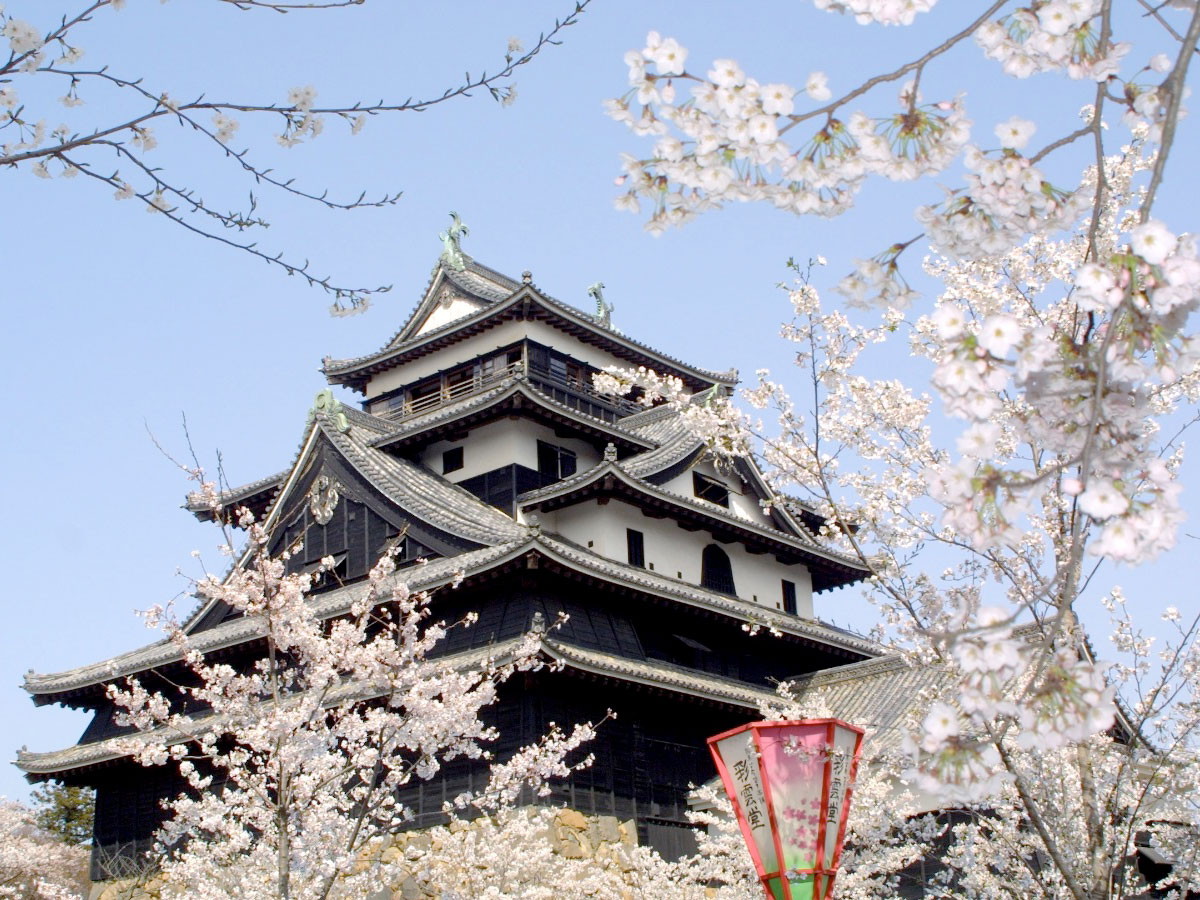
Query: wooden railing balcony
x,y
572,393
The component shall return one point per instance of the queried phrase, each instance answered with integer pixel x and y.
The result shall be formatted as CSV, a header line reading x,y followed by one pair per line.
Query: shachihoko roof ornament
x,y
604,309
451,238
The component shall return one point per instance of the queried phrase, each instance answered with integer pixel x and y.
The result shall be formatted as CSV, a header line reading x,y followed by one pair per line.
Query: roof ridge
x,y
736,607
342,365
581,478
422,576
469,262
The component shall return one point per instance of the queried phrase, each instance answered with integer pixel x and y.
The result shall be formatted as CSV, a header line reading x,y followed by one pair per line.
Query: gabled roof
x,y
609,479
76,684
475,280
679,448
410,487
524,302
676,444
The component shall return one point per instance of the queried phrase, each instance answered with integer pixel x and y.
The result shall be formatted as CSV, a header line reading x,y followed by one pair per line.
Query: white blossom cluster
x,y
1006,199
885,12
1068,359
1136,349
731,144
1058,35
1060,368
294,763
35,865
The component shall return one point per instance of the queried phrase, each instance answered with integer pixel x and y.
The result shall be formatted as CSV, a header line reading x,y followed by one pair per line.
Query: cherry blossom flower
x,y
817,87
1015,133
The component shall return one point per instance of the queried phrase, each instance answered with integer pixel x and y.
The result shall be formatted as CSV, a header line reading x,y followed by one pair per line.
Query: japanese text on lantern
x,y
750,793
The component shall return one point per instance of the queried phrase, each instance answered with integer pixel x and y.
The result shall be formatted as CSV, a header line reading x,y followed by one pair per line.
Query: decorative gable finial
x,y
538,624
323,498
610,452
325,402
526,277
604,309
451,238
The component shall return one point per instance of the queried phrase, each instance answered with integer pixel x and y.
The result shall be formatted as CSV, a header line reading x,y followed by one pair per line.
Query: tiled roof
x,y
396,347
516,384
439,572
667,429
653,582
233,496
477,279
237,631
422,493
802,541
887,696
677,678
650,672
100,752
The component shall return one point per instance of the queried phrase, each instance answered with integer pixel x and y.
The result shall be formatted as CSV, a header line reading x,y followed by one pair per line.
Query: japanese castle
x,y
482,446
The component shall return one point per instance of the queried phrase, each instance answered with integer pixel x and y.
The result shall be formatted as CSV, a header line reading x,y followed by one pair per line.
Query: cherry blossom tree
x,y
293,764
111,117
1062,341
35,863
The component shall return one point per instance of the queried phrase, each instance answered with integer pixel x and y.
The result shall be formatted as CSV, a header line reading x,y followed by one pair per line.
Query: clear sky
x,y
116,323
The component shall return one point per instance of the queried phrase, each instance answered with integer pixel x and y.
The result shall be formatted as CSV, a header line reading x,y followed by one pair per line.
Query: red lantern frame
x,y
777,765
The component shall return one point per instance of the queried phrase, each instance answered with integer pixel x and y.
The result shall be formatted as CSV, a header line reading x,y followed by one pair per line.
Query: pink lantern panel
x,y
790,785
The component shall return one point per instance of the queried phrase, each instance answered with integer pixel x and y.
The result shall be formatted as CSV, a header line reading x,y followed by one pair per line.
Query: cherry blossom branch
x,y
1174,88
301,117
896,74
354,296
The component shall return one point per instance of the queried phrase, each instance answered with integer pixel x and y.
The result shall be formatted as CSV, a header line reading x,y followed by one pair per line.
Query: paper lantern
x,y
790,784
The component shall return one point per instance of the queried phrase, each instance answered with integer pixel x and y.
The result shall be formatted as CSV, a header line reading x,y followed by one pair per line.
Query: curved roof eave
x,y
571,490
355,369
83,757
485,400
57,687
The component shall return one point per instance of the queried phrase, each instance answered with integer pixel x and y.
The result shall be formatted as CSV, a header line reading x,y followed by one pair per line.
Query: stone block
x,y
571,818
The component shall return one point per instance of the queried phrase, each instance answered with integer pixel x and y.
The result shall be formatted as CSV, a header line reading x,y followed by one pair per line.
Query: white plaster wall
x,y
742,500
444,313
481,344
503,443
676,552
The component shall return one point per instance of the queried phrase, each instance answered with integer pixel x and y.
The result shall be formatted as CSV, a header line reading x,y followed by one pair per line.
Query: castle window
x,y
789,597
716,573
554,463
710,489
636,548
452,460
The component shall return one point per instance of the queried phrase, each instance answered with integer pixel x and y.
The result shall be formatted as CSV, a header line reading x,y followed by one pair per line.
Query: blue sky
x,y
118,323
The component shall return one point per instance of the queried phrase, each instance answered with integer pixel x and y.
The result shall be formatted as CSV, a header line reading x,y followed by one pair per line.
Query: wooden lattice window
x,y
710,489
716,572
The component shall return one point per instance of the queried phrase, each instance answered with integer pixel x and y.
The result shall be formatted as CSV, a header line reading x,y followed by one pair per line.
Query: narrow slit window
x,y
789,597
637,548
